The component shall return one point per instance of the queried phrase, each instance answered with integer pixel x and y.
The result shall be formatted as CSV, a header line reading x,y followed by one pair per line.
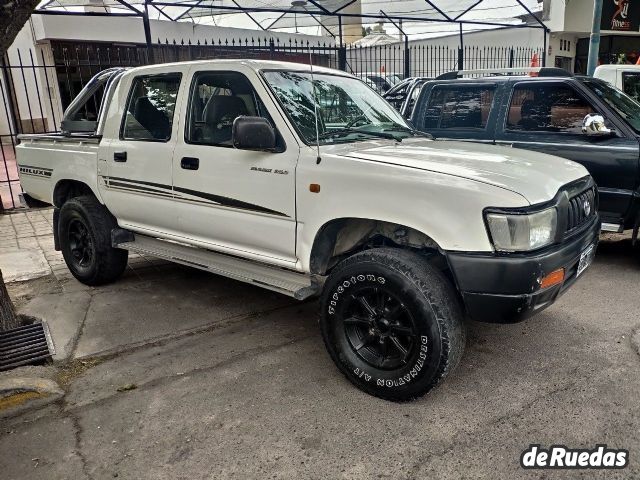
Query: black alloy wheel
x,y
80,243
380,328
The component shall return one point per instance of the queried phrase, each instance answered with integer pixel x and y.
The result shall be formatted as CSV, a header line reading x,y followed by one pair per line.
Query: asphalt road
x,y
258,397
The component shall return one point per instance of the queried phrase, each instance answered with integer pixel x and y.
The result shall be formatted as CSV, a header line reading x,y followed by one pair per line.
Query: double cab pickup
x,y
304,181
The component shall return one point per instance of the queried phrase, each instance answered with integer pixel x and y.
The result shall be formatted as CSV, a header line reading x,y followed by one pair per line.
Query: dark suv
x,y
578,118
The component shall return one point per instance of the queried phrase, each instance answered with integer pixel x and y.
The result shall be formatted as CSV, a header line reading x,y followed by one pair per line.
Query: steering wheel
x,y
362,116
353,122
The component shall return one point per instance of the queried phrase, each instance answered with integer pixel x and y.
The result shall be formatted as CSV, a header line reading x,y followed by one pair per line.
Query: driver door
x,y
238,201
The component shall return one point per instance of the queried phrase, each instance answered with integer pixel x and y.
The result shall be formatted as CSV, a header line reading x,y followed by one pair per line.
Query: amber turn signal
x,y
314,188
554,278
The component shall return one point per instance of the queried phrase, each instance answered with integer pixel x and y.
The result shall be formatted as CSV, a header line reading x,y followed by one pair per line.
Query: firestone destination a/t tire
x,y
392,323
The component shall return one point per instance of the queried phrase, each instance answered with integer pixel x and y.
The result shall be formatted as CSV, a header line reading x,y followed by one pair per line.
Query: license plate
x,y
586,257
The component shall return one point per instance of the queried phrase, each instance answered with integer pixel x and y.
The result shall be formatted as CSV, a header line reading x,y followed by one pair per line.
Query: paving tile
x,y
24,264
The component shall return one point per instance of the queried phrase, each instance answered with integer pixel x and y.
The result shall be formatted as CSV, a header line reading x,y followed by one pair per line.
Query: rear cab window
x,y
150,108
458,109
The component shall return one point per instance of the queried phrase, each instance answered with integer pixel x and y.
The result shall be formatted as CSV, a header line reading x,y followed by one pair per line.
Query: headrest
x,y
220,106
154,120
527,107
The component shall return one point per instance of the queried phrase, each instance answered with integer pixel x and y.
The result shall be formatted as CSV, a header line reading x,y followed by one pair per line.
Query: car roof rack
x,y
512,71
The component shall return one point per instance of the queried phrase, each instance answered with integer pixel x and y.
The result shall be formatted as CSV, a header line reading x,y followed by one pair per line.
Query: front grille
x,y
581,208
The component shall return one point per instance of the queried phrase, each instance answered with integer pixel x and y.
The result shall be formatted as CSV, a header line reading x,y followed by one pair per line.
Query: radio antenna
x,y
315,108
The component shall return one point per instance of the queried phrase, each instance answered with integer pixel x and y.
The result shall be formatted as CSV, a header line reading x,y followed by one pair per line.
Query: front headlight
x,y
521,232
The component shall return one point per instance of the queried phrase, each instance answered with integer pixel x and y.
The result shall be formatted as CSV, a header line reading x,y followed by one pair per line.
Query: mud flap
x,y
56,236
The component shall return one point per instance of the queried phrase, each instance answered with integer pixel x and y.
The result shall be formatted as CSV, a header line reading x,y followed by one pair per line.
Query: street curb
x,y
21,394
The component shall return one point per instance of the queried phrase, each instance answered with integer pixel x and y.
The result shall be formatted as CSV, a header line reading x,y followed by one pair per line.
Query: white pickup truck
x,y
305,181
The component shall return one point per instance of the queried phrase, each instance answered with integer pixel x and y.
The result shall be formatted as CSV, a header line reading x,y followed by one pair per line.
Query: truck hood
x,y
535,176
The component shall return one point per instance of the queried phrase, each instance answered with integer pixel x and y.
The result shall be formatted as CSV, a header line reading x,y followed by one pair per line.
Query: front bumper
x,y
504,288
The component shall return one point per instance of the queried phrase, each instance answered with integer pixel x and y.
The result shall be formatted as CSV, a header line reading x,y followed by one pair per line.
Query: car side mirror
x,y
253,133
593,125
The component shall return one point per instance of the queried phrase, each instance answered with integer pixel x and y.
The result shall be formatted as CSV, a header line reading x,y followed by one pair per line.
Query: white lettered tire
x,y
392,323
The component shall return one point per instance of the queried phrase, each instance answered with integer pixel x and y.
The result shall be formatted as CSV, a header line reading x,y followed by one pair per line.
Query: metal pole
x,y
147,32
544,46
594,44
342,49
407,55
461,50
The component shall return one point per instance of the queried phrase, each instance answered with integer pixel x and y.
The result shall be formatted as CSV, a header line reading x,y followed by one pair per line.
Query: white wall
x,y
131,30
578,16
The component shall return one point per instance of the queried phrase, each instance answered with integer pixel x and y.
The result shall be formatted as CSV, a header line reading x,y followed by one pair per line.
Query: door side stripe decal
x,y
182,192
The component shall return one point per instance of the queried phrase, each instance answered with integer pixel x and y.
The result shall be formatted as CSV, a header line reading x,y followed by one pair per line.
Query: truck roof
x,y
615,67
251,63
503,78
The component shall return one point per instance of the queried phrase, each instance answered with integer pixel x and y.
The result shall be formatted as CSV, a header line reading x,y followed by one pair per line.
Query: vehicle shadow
x,y
617,249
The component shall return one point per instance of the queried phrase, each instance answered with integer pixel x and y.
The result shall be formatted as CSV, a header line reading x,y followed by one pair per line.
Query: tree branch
x,y
13,15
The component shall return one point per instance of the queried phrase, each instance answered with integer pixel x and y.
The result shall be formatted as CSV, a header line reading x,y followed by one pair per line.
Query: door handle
x,y
190,163
120,156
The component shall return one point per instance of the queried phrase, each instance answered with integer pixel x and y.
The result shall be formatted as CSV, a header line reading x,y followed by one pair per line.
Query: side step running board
x,y
294,284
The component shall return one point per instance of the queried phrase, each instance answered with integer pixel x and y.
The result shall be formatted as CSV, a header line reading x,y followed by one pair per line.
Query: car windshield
x,y
348,110
624,105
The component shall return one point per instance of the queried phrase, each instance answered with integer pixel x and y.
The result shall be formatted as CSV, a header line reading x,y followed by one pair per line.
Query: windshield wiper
x,y
341,132
413,131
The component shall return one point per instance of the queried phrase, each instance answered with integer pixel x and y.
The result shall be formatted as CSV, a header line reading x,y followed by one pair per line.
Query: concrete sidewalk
x,y
174,373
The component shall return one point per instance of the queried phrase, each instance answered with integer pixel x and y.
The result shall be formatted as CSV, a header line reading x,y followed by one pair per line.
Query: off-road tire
x,y
105,263
433,314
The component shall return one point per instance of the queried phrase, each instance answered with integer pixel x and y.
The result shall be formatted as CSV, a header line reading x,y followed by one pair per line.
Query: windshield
x,y
624,105
348,110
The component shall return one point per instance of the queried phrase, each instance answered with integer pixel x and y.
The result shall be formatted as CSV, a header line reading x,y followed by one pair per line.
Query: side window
x,y
216,100
631,85
397,95
150,108
411,101
549,108
456,108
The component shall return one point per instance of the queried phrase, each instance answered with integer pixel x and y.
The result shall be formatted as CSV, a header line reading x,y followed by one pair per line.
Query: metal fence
x,y
432,60
37,85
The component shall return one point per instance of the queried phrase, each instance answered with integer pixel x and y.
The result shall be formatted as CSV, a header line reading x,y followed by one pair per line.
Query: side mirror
x,y
253,133
593,125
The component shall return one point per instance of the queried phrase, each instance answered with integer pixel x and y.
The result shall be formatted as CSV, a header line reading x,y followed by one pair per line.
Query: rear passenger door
x,y
547,117
135,156
458,111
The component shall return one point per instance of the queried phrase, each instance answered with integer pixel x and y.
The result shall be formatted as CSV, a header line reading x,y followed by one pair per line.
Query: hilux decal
x,y
36,171
185,194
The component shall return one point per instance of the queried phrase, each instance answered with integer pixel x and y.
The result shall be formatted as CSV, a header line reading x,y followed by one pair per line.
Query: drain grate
x,y
25,345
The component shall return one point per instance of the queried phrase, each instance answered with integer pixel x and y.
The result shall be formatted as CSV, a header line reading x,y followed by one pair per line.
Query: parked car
x,y
623,77
404,94
229,166
575,117
378,81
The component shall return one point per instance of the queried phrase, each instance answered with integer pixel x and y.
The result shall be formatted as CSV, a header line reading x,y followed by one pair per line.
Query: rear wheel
x,y
84,231
392,323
